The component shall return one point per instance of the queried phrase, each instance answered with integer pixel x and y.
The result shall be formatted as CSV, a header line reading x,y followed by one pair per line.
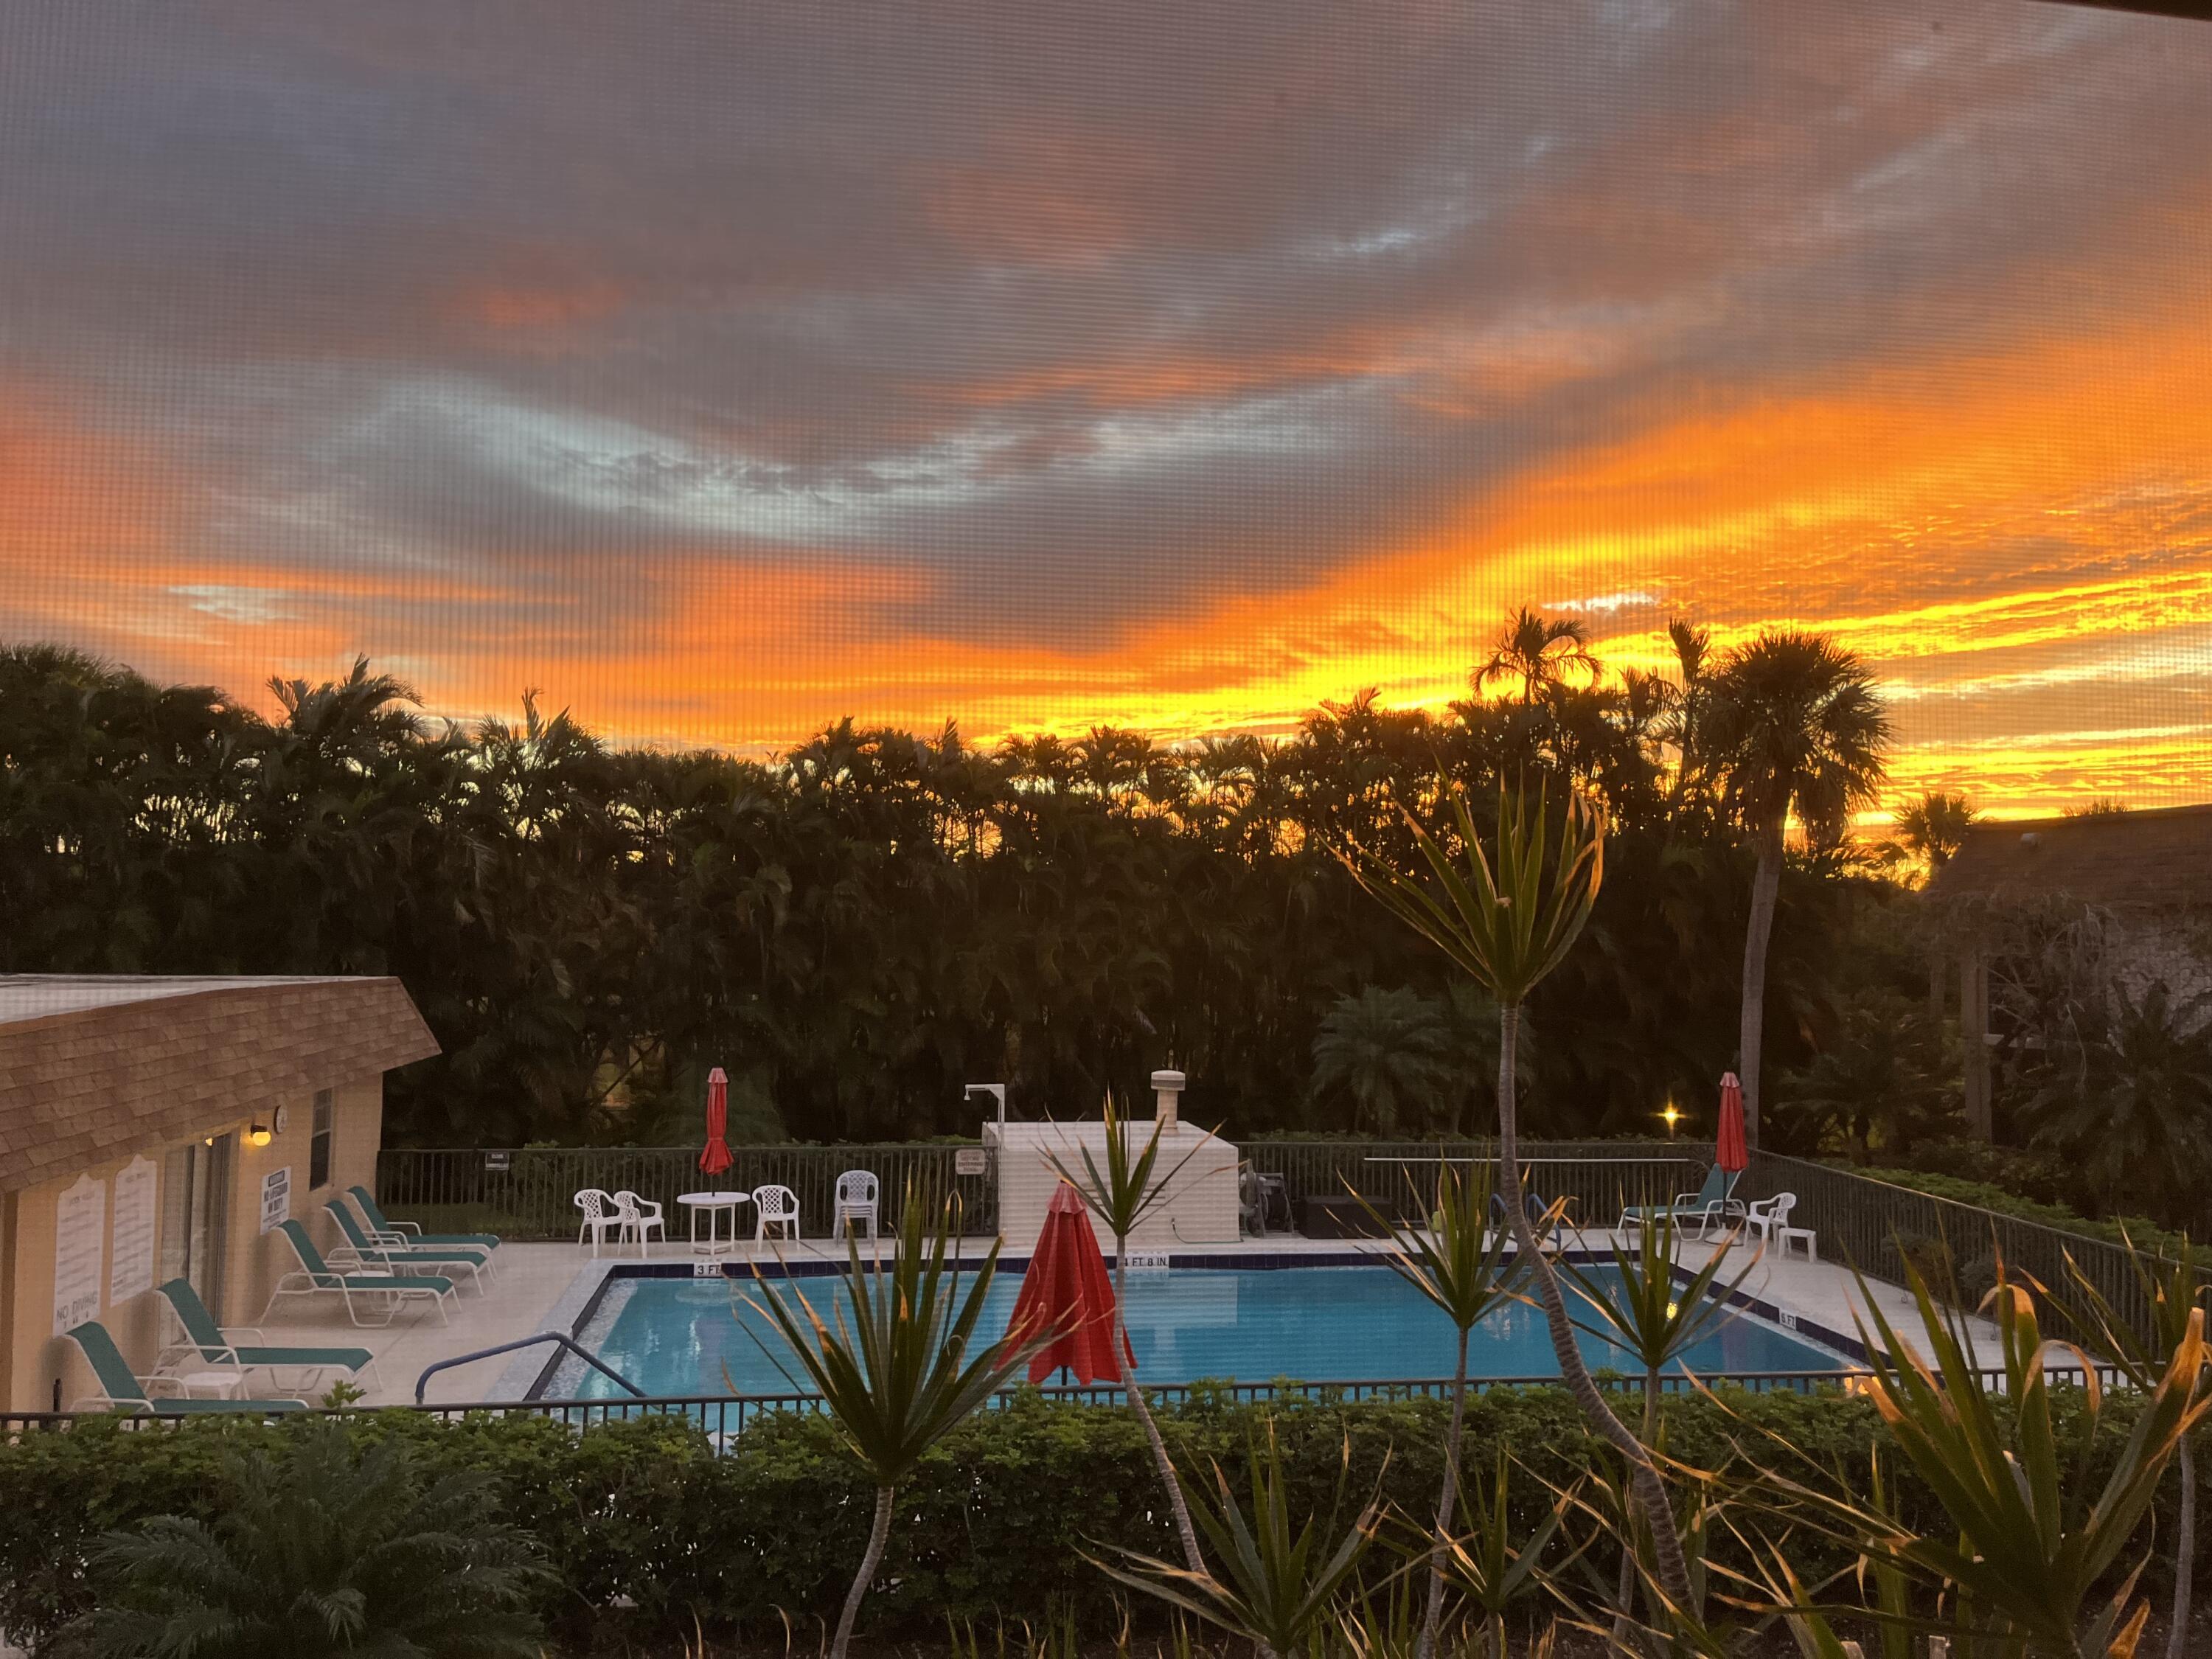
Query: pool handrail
x,y
569,1343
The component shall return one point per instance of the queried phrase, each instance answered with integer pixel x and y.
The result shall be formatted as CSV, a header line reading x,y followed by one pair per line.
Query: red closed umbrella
x,y
716,1158
1065,1290
1729,1151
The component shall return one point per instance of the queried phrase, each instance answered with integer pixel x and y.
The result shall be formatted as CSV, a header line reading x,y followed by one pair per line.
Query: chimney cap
x,y
1167,1080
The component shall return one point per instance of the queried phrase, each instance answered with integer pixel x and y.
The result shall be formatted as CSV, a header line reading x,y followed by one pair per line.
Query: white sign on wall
x,y
79,1234
276,1198
130,1268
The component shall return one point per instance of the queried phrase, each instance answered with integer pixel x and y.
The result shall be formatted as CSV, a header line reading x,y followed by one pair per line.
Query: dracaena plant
x,y
2144,1352
1507,922
1492,1566
2030,1533
1644,1311
897,1365
1465,1267
1279,1585
1129,1186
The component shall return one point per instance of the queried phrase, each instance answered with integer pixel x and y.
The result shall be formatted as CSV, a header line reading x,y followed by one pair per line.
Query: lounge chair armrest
x,y
404,1228
100,1402
232,1333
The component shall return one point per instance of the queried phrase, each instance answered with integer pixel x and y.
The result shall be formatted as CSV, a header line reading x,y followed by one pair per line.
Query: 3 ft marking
x,y
1788,1320
706,1270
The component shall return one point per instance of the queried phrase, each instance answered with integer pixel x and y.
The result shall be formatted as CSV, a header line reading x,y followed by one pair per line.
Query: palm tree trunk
x,y
870,1560
1432,1622
2185,1556
1184,1529
1642,1474
1765,886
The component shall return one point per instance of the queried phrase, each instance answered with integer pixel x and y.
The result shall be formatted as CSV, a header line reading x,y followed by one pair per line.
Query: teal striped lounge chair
x,y
1714,1202
361,1287
206,1343
120,1390
366,1252
386,1230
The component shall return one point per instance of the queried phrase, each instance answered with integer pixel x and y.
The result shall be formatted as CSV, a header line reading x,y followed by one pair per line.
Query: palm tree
x,y
1540,652
1508,927
1934,828
1387,1053
323,1552
1693,652
902,1368
1794,725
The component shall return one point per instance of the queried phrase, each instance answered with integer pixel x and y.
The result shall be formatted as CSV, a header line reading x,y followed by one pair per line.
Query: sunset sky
x,y
723,369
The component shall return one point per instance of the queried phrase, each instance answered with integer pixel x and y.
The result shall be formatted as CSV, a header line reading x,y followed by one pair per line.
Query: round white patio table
x,y
713,1204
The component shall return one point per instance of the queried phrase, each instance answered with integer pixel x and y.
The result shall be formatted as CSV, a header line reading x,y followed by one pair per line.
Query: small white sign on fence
x,y
1146,1262
971,1160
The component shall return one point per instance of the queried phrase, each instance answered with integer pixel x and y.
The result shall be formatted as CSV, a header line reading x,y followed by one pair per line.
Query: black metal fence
x,y
723,1416
1877,1228
1399,1177
529,1192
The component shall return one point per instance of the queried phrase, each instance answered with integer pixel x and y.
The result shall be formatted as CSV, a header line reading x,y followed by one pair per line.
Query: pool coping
x,y
527,1377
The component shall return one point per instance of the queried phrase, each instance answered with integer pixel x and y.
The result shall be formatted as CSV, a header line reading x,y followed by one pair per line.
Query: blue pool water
x,y
696,1337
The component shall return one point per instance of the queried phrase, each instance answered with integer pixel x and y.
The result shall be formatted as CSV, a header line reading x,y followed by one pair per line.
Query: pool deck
x,y
543,1286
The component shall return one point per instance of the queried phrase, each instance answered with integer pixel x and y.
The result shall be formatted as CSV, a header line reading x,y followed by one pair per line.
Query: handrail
x,y
573,1347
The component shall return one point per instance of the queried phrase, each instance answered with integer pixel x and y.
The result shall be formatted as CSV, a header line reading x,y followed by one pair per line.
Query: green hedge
x,y
997,1523
2146,1234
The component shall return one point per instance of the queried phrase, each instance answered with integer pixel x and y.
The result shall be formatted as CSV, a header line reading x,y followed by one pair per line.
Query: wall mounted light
x,y
1673,1114
257,1135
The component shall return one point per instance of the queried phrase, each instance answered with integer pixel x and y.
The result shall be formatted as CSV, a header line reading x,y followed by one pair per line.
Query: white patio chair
x,y
640,1216
601,1215
1767,1217
856,1201
775,1205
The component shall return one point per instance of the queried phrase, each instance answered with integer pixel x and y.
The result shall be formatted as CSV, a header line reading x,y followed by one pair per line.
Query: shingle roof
x,y
93,1070
2126,861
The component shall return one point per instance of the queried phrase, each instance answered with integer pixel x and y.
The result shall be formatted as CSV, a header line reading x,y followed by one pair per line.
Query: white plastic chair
x,y
1767,1217
601,1214
640,1216
856,1201
775,1205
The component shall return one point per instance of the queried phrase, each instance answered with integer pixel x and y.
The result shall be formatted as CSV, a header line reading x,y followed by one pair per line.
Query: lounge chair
x,y
383,1291
386,1230
1543,1220
1713,1202
121,1390
366,1252
207,1343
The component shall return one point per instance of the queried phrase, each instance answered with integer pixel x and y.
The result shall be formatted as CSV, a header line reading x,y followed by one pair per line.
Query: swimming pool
x,y
690,1337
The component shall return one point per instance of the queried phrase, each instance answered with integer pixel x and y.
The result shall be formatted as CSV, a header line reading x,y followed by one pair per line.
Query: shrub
x,y
2147,1235
996,1521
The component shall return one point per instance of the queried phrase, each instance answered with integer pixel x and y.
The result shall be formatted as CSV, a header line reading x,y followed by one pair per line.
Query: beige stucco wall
x,y
253,1263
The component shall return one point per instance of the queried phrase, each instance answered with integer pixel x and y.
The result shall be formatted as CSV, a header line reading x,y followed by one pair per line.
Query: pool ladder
x,y
573,1346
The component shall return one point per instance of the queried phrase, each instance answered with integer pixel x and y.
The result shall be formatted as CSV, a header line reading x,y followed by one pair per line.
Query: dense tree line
x,y
862,925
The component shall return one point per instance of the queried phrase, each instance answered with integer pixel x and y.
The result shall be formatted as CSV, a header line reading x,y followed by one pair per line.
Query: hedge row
x,y
2147,1235
648,1526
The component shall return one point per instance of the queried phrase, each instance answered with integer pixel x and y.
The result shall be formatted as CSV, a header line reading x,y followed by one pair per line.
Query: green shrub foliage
x,y
647,1526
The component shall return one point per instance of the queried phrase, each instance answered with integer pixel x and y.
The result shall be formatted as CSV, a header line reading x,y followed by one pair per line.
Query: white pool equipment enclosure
x,y
1200,1205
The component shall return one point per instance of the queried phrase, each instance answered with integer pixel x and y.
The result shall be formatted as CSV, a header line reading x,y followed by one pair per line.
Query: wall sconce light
x,y
257,1135
1673,1114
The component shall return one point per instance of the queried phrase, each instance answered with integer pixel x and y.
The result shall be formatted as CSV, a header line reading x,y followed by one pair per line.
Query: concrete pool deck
x,y
544,1286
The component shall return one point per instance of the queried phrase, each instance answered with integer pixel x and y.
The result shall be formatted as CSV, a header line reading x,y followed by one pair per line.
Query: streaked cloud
x,y
1050,365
